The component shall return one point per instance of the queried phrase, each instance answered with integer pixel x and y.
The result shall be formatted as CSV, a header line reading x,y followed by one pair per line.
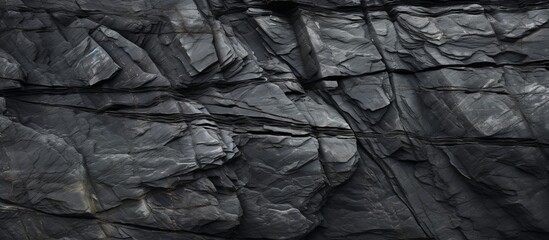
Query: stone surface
x,y
274,119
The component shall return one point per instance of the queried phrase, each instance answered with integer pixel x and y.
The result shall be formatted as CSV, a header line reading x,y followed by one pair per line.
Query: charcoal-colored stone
x,y
274,119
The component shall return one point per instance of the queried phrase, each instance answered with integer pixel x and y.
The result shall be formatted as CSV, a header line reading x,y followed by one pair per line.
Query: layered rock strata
x,y
274,119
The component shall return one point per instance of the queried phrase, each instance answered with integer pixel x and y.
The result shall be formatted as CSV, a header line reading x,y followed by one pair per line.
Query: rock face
x,y
274,119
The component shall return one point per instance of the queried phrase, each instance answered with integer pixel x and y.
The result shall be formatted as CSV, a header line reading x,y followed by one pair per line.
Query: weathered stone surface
x,y
336,44
274,119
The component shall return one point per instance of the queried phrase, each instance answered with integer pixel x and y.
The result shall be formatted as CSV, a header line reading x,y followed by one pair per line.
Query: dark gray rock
x,y
274,119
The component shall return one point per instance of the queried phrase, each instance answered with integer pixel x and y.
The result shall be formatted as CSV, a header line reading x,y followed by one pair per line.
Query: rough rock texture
x,y
274,119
